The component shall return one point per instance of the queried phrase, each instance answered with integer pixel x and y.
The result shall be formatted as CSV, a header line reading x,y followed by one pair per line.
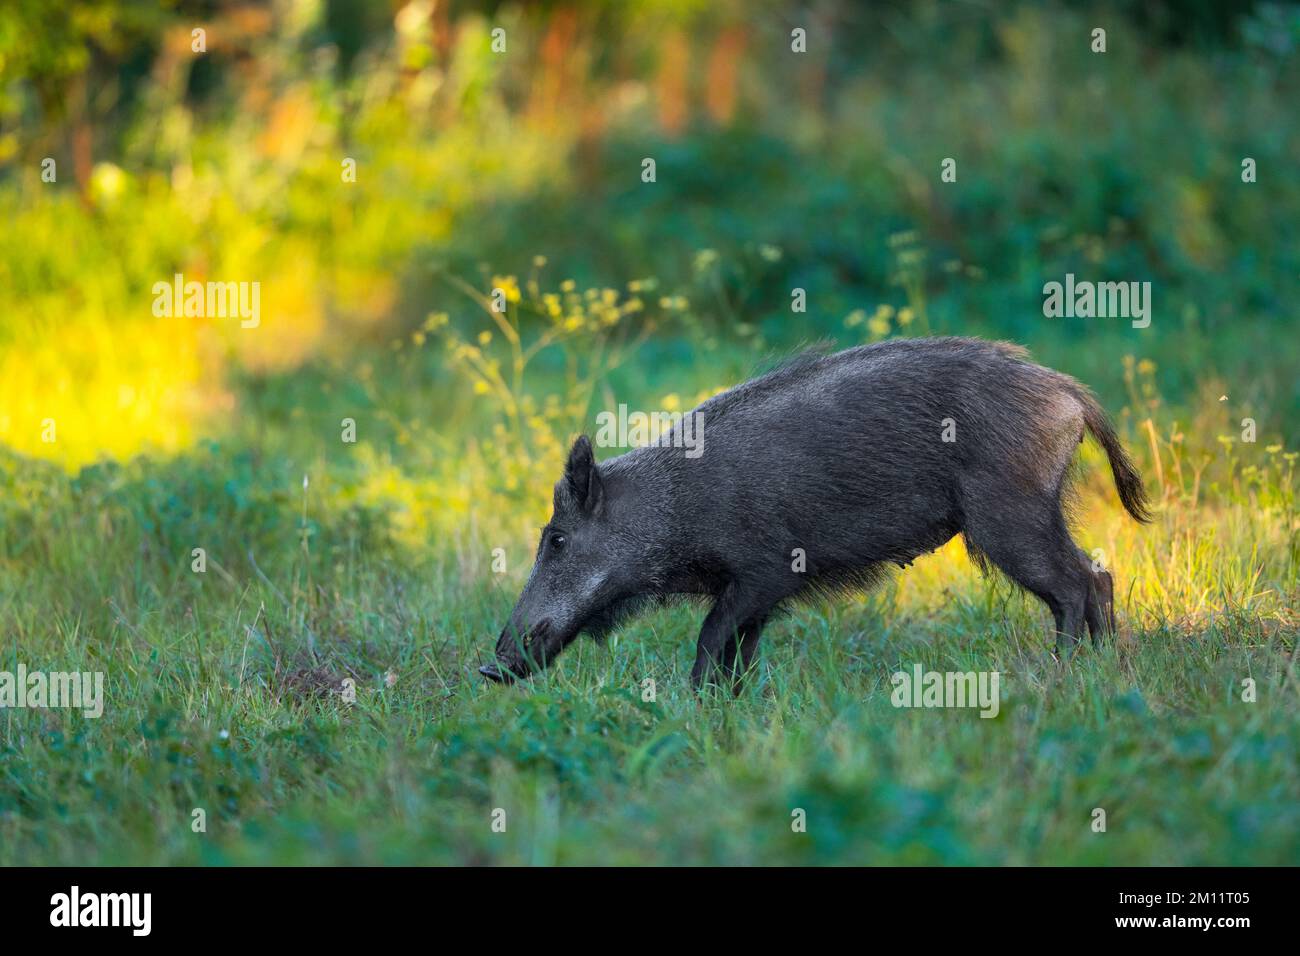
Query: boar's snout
x,y
518,653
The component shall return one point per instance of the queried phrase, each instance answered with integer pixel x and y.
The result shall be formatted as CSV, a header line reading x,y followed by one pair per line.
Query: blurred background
x,y
379,169
774,170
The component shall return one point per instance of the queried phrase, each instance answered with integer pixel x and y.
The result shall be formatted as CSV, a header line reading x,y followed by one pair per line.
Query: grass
x,y
224,690
1152,730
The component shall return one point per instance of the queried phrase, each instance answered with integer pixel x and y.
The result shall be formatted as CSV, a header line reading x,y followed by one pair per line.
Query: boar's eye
x,y
557,542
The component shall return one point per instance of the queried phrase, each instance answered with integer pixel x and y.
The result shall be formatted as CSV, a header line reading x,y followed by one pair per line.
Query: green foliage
x,y
368,565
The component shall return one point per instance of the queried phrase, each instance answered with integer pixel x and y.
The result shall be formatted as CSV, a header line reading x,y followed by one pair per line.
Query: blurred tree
x,y
62,54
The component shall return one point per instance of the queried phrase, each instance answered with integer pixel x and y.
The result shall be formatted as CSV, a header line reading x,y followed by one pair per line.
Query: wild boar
x,y
817,478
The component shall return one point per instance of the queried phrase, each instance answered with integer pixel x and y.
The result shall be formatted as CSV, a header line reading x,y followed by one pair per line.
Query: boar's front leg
x,y
738,656
728,638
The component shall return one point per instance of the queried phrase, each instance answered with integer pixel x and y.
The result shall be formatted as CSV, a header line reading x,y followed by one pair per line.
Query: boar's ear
x,y
582,476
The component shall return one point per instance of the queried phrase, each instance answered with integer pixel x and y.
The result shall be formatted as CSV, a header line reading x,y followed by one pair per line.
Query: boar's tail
x,y
1127,480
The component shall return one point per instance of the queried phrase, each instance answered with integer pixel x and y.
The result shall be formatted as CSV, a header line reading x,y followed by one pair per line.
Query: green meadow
x,y
288,545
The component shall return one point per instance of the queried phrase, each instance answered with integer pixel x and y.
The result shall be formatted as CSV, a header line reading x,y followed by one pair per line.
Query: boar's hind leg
x,y
1100,611
1027,538
735,622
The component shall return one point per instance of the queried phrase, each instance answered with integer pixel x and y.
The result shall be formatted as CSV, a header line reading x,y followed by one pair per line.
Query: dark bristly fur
x,y
842,457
